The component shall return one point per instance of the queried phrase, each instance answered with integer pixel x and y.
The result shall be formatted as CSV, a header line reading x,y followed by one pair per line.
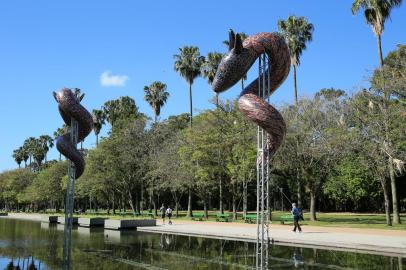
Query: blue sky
x,y
45,45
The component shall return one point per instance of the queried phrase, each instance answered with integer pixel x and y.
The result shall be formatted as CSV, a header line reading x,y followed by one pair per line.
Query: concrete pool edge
x,y
360,248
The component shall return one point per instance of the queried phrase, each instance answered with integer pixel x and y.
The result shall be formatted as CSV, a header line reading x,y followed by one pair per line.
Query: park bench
x,y
198,216
285,218
250,218
222,217
150,215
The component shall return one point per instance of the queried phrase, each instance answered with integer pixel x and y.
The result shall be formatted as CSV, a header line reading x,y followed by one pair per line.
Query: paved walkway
x,y
389,242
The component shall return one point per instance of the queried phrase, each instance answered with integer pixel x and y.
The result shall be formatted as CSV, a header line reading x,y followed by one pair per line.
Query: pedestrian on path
x,y
169,215
296,217
163,212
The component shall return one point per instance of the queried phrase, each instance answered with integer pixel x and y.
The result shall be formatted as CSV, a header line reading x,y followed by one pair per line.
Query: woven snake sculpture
x,y
69,107
235,65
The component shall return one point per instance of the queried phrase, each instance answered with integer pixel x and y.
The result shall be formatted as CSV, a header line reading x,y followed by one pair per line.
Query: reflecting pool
x,y
35,245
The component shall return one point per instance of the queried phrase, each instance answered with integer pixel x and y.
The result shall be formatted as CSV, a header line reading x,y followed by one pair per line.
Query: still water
x,y
35,245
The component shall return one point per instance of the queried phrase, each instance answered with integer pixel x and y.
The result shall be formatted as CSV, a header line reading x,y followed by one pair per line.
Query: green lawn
x,y
349,220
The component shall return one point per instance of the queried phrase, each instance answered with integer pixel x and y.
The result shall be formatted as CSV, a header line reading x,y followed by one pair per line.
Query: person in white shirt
x,y
169,215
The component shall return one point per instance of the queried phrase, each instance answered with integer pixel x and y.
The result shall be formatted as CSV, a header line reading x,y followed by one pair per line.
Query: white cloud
x,y
108,79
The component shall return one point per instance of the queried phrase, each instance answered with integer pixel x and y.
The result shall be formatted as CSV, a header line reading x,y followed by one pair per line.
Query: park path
x,y
374,241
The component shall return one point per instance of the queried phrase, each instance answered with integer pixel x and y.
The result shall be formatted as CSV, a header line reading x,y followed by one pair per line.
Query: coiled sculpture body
x,y
69,107
235,65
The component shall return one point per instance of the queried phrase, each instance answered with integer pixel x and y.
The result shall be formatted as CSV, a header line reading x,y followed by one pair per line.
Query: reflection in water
x,y
23,264
297,258
107,249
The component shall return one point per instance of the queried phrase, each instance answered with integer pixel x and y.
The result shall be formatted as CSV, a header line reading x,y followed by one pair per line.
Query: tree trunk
x,y
190,105
234,205
177,209
131,202
206,213
221,208
299,189
114,205
395,216
244,197
294,83
189,203
97,140
380,51
142,197
312,205
387,202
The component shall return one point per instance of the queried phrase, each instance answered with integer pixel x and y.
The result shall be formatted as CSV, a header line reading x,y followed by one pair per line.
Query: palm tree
x,y
99,119
17,155
156,96
46,142
297,31
25,155
59,132
376,13
188,64
209,68
29,145
38,152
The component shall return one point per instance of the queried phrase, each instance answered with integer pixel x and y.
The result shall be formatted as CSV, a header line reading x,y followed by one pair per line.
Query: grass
x,y
347,220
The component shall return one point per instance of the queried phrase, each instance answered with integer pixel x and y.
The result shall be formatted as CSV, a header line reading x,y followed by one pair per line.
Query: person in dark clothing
x,y
163,211
296,217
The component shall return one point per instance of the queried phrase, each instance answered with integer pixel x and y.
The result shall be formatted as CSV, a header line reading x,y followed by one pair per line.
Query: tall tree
x,y
297,32
156,96
46,143
376,13
210,66
99,119
29,145
188,64
17,155
59,132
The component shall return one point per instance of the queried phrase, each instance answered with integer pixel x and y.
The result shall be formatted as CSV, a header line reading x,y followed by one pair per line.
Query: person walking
x,y
163,212
296,217
169,215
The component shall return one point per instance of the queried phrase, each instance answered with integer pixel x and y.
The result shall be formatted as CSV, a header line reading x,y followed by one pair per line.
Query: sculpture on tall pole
x,y
80,122
274,64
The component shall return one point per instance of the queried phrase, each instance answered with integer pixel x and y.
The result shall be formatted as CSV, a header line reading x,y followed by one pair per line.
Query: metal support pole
x,y
263,214
69,201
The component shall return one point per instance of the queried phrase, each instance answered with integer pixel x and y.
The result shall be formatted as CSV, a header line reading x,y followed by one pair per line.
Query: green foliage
x,y
351,182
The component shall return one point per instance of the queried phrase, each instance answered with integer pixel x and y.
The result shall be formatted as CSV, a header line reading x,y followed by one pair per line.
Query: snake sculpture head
x,y
69,107
238,61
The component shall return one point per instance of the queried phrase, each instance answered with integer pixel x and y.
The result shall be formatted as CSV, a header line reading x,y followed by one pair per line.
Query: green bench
x,y
222,217
250,218
285,218
198,216
151,215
